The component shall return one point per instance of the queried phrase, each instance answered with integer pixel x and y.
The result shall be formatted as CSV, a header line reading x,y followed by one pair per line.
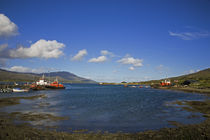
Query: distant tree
x,y
186,82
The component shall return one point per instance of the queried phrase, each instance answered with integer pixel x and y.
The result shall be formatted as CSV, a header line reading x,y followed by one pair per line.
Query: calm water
x,y
108,108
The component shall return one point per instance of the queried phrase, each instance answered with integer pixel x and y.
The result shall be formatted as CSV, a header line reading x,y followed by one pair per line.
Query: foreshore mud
x,y
11,130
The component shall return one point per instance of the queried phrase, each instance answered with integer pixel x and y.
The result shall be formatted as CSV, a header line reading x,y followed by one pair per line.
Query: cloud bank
x,y
99,59
131,68
190,35
41,49
106,52
26,69
80,55
7,27
135,62
192,71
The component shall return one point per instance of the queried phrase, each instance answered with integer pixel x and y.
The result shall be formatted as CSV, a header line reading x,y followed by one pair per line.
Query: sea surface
x,y
108,108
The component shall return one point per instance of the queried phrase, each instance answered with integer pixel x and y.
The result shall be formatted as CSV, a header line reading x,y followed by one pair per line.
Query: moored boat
x,y
39,85
55,85
19,90
42,84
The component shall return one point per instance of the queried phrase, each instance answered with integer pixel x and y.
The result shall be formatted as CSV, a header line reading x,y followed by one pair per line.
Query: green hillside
x,y
66,77
199,79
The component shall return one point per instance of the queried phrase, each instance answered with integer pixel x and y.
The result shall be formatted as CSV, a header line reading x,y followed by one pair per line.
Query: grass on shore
x,y
186,89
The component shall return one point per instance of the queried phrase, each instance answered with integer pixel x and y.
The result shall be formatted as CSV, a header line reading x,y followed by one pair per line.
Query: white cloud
x,y
105,52
26,69
131,68
98,59
79,55
192,71
190,35
41,49
7,27
130,60
19,69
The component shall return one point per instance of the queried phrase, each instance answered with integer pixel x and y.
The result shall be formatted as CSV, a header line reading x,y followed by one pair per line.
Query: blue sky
x,y
106,40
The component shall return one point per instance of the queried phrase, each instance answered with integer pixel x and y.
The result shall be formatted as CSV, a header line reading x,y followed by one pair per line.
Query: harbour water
x,y
108,108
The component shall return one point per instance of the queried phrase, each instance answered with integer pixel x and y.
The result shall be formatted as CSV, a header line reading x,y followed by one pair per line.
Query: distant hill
x,y
67,77
201,78
201,75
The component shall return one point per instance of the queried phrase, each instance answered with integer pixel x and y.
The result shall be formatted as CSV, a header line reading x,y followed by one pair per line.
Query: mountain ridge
x,y
63,76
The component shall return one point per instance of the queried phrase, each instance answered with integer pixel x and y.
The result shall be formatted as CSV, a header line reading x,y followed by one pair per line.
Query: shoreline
x,y
10,130
186,89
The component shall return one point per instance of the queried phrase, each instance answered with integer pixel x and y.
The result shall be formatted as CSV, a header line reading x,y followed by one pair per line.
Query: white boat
x,y
42,82
19,90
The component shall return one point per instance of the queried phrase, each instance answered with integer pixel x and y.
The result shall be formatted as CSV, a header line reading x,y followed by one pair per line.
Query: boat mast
x,y
49,76
56,79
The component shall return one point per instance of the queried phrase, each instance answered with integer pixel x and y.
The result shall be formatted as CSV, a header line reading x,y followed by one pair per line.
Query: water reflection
x,y
108,108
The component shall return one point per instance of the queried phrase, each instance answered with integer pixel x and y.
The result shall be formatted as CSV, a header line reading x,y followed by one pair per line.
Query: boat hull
x,y
38,87
54,87
20,90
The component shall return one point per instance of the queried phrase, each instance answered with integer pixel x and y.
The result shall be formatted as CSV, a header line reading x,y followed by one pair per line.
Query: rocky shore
x,y
186,89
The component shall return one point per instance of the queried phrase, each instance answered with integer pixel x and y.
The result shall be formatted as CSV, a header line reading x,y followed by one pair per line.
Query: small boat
x,y
42,81
19,90
39,85
55,85
140,86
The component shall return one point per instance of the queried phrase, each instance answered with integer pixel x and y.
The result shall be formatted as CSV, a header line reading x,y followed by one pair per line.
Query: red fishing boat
x,y
55,85
42,84
39,85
